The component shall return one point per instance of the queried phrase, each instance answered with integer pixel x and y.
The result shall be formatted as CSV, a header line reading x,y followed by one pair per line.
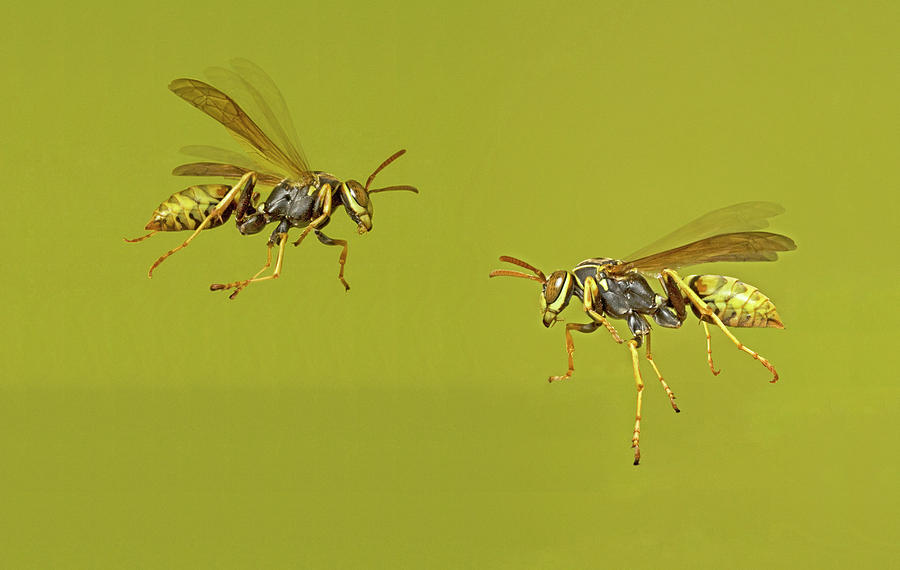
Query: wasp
x,y
615,289
300,197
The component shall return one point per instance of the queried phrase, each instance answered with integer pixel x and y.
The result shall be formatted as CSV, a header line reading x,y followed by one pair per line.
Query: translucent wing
x,y
738,246
260,97
225,171
217,154
743,217
222,108
225,163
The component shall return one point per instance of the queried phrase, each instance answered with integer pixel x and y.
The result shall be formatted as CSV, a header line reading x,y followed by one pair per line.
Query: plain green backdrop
x,y
408,423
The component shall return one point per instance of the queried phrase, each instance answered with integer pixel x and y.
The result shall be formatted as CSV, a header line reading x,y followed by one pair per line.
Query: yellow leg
x,y
708,313
665,386
142,238
709,350
239,286
636,438
590,291
326,213
570,347
312,226
242,284
249,177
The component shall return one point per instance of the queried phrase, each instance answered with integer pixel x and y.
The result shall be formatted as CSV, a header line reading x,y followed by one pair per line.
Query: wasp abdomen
x,y
736,303
187,209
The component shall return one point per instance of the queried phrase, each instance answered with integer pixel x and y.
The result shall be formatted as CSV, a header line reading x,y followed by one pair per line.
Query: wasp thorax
x,y
556,295
358,205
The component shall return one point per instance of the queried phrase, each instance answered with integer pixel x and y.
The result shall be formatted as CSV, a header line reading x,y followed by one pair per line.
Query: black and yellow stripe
x,y
736,303
187,209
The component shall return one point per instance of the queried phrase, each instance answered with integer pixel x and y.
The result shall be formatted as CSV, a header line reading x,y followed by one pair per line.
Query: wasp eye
x,y
554,286
357,196
557,290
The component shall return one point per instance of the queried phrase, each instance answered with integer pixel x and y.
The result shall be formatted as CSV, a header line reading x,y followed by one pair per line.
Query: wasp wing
x,y
743,217
223,109
262,100
737,246
225,171
217,154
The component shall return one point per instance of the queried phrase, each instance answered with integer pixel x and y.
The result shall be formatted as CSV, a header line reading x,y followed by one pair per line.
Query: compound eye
x,y
554,286
558,288
357,196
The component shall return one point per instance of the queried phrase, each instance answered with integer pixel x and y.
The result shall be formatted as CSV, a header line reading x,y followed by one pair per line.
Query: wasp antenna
x,y
521,263
389,188
509,273
390,159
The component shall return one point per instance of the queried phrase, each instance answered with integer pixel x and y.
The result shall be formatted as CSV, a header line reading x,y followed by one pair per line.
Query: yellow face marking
x,y
604,284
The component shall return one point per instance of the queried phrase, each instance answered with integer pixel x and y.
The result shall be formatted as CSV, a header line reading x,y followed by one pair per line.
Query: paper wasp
x,y
300,198
618,289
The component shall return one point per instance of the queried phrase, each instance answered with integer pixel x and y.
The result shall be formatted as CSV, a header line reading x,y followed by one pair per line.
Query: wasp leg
x,y
248,180
665,386
343,259
709,314
325,196
570,347
590,292
239,286
709,350
635,363
142,238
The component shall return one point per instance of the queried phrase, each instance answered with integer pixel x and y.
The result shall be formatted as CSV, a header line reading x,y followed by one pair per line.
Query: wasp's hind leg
x,y
239,286
570,347
246,183
665,386
343,259
142,238
709,315
709,359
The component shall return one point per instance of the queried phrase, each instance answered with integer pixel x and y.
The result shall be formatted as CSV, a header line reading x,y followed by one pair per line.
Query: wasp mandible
x,y
300,197
618,289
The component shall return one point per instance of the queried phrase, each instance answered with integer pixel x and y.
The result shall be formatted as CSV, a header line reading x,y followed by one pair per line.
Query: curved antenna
x,y
509,273
390,159
389,188
521,263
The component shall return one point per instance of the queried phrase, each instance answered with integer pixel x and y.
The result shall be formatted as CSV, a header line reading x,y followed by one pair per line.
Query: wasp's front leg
x,y
343,259
570,346
323,203
592,294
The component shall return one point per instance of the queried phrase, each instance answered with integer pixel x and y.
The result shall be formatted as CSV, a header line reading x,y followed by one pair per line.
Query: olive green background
x,y
409,424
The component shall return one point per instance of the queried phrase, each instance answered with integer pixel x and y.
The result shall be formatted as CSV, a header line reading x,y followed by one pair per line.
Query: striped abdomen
x,y
735,302
187,209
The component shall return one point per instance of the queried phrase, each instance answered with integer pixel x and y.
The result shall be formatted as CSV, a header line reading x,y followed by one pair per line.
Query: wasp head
x,y
356,197
556,290
358,205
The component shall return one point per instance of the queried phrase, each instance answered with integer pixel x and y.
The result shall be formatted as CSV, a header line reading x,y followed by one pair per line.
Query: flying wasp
x,y
300,197
618,289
